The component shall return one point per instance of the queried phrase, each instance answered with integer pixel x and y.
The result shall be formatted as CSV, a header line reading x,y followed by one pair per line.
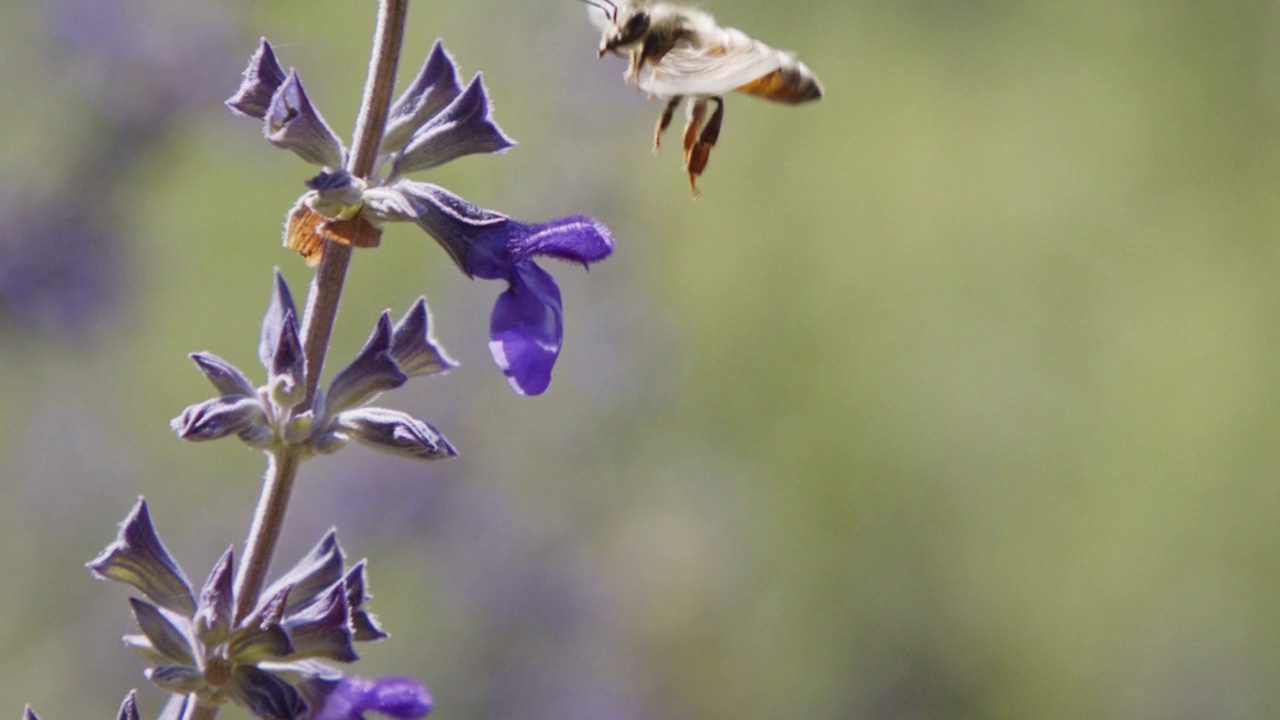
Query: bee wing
x,y
730,60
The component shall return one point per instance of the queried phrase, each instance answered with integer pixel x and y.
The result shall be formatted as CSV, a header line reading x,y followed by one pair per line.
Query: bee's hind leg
x,y
635,58
664,121
698,144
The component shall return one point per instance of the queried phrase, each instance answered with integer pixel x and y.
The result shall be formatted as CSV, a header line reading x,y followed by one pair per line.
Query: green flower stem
x,y
268,521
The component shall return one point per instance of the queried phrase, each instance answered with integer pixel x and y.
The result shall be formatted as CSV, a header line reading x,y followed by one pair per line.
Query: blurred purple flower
x,y
351,697
131,67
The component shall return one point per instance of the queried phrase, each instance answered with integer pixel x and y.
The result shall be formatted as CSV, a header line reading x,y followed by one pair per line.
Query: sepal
x,y
292,123
370,374
322,629
414,346
213,616
279,310
259,83
464,127
165,636
288,367
435,86
311,576
219,417
138,558
364,626
226,378
395,432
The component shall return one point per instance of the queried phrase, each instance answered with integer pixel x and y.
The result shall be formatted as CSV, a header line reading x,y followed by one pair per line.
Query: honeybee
x,y
690,57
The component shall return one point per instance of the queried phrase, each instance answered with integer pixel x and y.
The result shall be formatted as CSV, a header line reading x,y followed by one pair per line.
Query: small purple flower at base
x,y
352,697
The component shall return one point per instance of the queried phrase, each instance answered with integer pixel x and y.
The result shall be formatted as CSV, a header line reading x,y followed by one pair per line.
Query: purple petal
x,y
397,697
463,128
261,79
527,329
372,372
576,238
292,123
414,346
138,558
435,87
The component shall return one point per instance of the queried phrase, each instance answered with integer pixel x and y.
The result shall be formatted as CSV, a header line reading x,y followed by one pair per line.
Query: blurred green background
x,y
954,397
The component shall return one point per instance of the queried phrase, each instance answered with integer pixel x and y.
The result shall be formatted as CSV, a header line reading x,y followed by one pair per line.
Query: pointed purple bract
x,y
213,616
219,417
371,373
261,79
395,432
292,123
226,377
414,346
435,87
464,127
138,558
279,310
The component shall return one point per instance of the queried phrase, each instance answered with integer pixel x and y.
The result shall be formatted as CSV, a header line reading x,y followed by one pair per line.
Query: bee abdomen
x,y
792,83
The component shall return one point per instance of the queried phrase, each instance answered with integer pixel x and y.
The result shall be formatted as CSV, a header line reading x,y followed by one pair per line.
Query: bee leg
x,y
697,154
664,121
633,68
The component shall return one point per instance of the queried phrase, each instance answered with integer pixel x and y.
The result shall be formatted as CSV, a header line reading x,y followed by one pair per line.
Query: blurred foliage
x,y
952,398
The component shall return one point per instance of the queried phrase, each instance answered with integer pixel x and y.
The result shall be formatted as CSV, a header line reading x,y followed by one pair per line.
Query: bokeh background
x,y
954,397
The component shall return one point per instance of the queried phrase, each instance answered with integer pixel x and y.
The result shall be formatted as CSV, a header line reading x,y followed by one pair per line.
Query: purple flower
x,y
352,697
434,122
526,330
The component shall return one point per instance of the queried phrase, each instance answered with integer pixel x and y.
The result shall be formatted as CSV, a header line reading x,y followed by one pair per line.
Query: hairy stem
x,y
326,290
268,521
322,305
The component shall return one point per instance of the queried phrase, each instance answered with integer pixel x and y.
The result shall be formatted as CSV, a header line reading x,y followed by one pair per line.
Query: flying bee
x,y
690,57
